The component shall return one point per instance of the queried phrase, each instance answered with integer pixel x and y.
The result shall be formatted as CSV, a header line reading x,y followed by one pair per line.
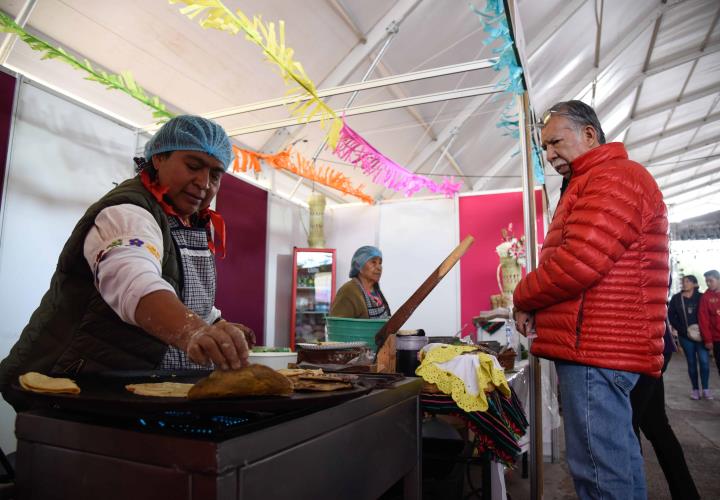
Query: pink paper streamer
x,y
352,148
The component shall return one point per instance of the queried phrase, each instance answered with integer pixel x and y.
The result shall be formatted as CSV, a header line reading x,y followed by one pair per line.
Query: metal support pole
x,y
529,220
22,18
446,149
392,30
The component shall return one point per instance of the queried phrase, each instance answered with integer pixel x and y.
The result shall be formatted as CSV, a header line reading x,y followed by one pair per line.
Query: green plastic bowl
x,y
354,330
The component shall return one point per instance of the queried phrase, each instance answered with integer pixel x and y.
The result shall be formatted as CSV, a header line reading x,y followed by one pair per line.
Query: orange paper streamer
x,y
297,164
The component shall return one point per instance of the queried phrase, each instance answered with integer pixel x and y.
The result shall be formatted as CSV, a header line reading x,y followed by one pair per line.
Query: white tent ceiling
x,y
654,78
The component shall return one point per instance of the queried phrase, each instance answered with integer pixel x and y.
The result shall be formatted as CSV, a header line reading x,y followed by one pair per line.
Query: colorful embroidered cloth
x,y
498,429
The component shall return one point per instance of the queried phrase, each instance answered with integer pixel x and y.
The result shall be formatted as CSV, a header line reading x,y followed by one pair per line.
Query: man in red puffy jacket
x,y
709,314
597,298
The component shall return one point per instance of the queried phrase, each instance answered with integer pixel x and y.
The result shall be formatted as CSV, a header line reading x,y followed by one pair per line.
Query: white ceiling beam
x,y
21,20
352,87
660,108
398,92
497,167
668,105
673,131
627,40
348,20
372,108
678,214
693,194
377,34
444,135
412,111
675,60
447,132
347,65
615,133
568,9
702,200
691,180
623,92
682,167
681,151
619,96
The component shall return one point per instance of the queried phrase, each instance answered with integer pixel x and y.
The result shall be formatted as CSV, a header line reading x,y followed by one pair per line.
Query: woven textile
x,y
497,430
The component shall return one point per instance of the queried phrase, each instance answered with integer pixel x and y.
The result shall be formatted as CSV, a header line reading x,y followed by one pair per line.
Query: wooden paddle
x,y
398,319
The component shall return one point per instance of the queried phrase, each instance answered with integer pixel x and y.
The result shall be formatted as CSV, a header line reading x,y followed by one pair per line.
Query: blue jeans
x,y
602,450
694,352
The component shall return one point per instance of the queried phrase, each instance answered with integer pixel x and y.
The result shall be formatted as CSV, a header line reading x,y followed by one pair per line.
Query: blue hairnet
x,y
191,133
360,258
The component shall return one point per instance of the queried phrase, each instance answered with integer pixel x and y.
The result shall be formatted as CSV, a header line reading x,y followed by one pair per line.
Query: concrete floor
x,y
695,423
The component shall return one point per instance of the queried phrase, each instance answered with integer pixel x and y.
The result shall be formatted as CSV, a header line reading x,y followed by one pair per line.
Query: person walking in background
x,y
649,415
709,315
683,316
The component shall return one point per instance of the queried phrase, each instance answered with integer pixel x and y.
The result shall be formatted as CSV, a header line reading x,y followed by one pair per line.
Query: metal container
x,y
407,347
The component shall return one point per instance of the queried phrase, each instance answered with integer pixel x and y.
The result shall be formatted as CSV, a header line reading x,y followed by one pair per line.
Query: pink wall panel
x,y
241,274
484,216
7,93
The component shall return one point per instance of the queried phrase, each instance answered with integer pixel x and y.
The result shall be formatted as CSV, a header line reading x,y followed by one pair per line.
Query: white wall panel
x,y
285,230
415,237
346,229
62,158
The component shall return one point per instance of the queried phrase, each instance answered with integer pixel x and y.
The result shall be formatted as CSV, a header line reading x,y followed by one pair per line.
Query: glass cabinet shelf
x,y
313,291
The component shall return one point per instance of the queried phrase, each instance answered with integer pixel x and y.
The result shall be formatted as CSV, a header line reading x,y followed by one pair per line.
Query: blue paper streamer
x,y
494,23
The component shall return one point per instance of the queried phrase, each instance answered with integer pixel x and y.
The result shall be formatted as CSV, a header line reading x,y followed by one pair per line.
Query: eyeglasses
x,y
548,114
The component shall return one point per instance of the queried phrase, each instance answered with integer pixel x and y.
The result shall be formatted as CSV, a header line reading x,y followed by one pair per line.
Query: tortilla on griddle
x,y
160,389
37,382
297,372
323,382
324,385
252,380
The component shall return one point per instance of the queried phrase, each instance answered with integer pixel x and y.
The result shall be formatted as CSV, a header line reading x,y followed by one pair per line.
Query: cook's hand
x,y
524,322
249,334
222,343
709,346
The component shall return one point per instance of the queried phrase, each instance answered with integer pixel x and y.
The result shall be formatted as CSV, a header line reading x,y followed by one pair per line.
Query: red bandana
x,y
214,219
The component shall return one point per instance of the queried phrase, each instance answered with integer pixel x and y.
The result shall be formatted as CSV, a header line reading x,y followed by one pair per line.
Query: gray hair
x,y
579,113
712,274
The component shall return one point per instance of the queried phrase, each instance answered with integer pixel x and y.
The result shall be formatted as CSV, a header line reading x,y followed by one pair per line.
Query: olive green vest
x,y
74,330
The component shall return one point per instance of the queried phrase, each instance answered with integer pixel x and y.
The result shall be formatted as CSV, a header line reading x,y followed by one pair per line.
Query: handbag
x,y
693,331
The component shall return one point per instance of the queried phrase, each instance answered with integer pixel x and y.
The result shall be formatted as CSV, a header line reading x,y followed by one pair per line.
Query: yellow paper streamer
x,y
213,14
297,164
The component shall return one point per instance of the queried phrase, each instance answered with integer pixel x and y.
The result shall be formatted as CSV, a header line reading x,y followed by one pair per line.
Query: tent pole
x,y
22,18
392,30
530,223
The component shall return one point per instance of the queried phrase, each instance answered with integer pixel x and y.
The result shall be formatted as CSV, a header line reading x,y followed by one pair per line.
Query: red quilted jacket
x,y
709,316
600,288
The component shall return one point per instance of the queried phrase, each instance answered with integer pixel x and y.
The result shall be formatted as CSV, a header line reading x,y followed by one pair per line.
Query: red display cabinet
x,y
313,292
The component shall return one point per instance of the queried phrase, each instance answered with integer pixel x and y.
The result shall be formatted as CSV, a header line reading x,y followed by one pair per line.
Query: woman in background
x,y
682,313
361,296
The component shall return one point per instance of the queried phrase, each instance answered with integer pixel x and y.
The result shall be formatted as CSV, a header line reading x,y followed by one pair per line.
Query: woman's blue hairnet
x,y
191,133
361,256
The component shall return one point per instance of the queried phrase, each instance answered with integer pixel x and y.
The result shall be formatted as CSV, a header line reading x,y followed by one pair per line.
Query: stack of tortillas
x,y
37,382
316,380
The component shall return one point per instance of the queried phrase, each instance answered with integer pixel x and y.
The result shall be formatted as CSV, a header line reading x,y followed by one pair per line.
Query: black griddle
x,y
105,394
